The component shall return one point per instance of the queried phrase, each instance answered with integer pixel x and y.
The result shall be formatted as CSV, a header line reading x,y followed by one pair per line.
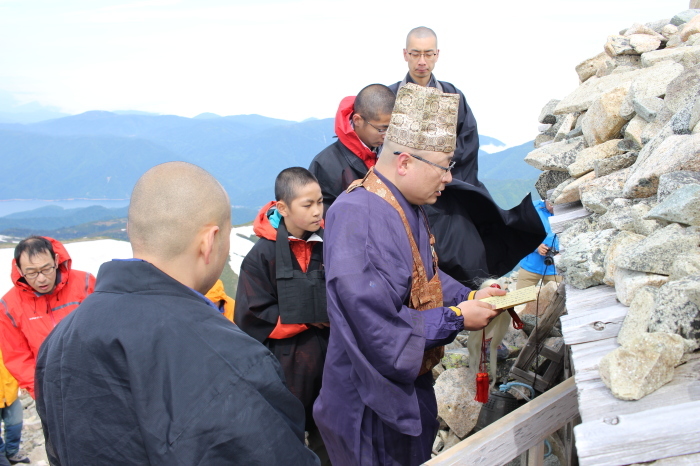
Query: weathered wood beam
x,y
517,432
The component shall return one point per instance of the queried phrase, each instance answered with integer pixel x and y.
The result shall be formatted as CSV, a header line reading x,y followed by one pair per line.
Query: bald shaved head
x,y
421,32
170,204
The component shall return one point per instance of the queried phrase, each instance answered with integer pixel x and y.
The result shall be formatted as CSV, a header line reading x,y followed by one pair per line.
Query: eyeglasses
x,y
46,271
379,130
446,169
427,55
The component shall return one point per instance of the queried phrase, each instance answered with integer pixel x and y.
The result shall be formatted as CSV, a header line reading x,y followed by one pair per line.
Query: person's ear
x,y
402,161
282,208
356,119
209,238
437,54
405,54
57,259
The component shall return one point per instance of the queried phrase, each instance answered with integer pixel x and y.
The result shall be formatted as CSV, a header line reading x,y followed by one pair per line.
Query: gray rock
x,y
625,215
670,182
680,122
603,121
647,107
695,114
668,30
633,134
567,123
656,253
618,162
597,194
629,282
543,139
638,315
590,67
684,265
646,364
582,263
686,56
585,159
622,241
682,206
674,153
560,188
637,28
683,90
618,45
684,16
549,179
591,90
555,156
678,308
642,43
455,391
575,227
547,115
515,340
659,128
574,133
571,191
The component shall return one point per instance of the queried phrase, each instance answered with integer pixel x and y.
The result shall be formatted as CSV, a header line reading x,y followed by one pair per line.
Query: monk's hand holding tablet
x,y
477,314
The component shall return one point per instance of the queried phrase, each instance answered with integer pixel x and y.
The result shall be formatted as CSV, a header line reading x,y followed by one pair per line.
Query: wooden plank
x,y
645,436
596,402
535,455
589,300
592,326
684,460
517,432
561,209
560,222
586,357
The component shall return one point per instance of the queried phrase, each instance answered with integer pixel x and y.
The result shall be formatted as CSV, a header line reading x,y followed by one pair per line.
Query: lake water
x,y
12,206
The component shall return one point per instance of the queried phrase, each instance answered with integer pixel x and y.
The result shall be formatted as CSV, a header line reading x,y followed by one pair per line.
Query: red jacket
x,y
347,135
27,317
302,252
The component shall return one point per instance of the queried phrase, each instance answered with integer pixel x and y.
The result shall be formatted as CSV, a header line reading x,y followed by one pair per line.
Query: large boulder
x,y
631,372
590,91
684,16
690,28
647,107
683,89
656,253
638,28
605,167
571,192
621,242
598,194
582,263
670,182
556,156
678,309
618,45
642,43
684,265
547,115
549,179
638,315
585,159
455,392
683,206
674,153
685,56
634,130
629,282
629,215
589,68
603,122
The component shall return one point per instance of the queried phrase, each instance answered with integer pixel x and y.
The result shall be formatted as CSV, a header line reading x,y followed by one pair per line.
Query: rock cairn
x,y
626,144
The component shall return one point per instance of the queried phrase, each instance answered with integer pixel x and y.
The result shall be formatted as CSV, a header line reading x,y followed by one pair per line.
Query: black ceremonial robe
x,y
257,313
336,167
146,372
475,238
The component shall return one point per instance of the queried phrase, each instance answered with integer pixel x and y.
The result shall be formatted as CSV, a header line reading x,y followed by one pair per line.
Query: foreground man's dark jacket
x,y
146,372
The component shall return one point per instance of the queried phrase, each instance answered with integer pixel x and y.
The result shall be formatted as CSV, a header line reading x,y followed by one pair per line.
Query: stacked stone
x,y
626,143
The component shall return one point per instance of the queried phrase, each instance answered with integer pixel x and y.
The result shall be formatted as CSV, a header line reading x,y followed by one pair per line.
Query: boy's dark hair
x,y
33,245
289,181
373,101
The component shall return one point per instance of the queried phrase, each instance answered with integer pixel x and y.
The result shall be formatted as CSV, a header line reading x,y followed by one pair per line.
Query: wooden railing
x,y
524,429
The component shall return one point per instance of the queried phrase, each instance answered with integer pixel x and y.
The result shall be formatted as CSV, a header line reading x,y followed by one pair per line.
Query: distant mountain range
x,y
101,154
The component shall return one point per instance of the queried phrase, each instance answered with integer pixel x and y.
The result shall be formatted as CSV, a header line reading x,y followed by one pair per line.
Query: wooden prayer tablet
x,y
514,298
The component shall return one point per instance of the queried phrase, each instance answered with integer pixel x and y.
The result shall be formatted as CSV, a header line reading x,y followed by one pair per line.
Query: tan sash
x,y
425,294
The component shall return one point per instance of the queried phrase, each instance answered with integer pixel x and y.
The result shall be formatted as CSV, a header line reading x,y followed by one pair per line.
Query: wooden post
x,y
695,4
535,455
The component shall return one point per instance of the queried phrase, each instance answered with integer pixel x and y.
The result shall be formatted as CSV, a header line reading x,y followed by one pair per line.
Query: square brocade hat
x,y
424,118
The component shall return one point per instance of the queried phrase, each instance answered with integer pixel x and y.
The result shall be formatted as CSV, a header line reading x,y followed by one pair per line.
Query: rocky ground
x,y
32,435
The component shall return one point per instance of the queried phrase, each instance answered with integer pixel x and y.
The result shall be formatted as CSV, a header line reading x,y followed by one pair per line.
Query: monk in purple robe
x,y
391,308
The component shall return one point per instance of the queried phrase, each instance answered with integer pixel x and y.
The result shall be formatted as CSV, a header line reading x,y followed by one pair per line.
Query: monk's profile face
x,y
426,178
371,132
421,54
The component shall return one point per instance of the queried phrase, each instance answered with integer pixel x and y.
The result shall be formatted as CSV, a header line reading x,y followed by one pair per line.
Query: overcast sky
x,y
297,59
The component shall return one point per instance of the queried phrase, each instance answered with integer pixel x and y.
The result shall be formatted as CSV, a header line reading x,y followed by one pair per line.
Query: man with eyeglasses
x,y
46,289
360,125
391,308
476,239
